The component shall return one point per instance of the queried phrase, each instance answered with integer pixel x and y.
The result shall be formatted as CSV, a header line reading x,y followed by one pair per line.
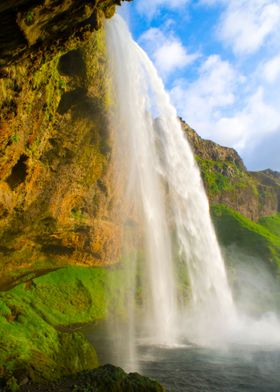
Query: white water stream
x,y
164,194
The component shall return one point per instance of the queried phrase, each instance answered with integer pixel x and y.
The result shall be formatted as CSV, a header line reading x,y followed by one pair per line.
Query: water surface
x,y
189,368
194,369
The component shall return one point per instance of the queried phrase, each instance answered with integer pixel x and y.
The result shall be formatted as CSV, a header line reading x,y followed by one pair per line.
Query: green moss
x,y
14,138
36,320
48,80
220,176
77,215
272,223
214,180
253,238
29,17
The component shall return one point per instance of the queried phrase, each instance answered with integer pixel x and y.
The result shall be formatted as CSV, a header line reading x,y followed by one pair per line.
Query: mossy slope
x,y
272,223
256,239
39,320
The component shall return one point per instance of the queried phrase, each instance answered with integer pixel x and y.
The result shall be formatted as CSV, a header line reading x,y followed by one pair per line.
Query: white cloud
x,y
166,50
251,124
245,25
150,8
266,153
224,106
200,102
271,69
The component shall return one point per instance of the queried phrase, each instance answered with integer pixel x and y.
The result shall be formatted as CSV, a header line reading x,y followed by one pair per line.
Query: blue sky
x,y
220,62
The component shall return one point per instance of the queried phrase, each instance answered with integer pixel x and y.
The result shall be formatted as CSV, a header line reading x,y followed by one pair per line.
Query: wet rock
x,y
107,378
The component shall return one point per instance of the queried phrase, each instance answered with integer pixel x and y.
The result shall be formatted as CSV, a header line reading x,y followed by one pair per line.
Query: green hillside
x,y
272,223
255,239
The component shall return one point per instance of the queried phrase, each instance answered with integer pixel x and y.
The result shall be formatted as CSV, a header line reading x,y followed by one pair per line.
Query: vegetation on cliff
x,y
245,210
252,254
253,194
257,239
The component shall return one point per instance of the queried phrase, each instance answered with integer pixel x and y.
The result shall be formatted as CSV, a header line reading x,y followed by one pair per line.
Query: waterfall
x,y
164,194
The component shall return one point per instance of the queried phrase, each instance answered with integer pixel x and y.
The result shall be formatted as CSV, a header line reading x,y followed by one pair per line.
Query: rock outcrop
x,y
227,181
38,28
55,190
106,378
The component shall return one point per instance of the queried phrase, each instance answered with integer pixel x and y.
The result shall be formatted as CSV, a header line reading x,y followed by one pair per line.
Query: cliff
x,y
227,181
58,206
56,195
37,29
56,199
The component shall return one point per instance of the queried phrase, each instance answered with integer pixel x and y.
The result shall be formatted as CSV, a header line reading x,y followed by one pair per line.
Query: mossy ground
x,y
252,254
38,320
259,239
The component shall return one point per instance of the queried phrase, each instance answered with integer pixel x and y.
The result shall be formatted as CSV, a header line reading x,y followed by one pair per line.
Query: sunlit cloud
x,y
228,108
271,69
150,8
201,100
246,25
256,120
166,50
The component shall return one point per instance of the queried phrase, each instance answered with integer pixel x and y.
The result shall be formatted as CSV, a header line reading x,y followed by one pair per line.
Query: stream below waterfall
x,y
190,368
196,369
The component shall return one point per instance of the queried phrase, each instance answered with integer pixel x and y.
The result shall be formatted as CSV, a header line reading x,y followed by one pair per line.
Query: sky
x,y
220,62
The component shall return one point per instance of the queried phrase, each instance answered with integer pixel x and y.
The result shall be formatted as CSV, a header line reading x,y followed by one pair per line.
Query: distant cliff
x,y
227,181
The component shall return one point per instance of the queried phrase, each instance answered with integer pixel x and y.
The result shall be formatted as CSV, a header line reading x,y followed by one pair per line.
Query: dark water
x,y
194,369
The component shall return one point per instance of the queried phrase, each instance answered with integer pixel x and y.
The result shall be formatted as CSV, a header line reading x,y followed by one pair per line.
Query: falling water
x,y
165,193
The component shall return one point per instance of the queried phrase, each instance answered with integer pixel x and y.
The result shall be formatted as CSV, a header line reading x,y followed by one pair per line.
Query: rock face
x,y
268,180
56,198
32,28
56,193
253,194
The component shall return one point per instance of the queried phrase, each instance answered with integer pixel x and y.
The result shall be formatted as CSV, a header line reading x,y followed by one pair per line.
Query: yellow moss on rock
x,y
57,166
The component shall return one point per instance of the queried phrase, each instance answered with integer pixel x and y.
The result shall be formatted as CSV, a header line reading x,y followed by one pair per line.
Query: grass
x,y
271,223
259,239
